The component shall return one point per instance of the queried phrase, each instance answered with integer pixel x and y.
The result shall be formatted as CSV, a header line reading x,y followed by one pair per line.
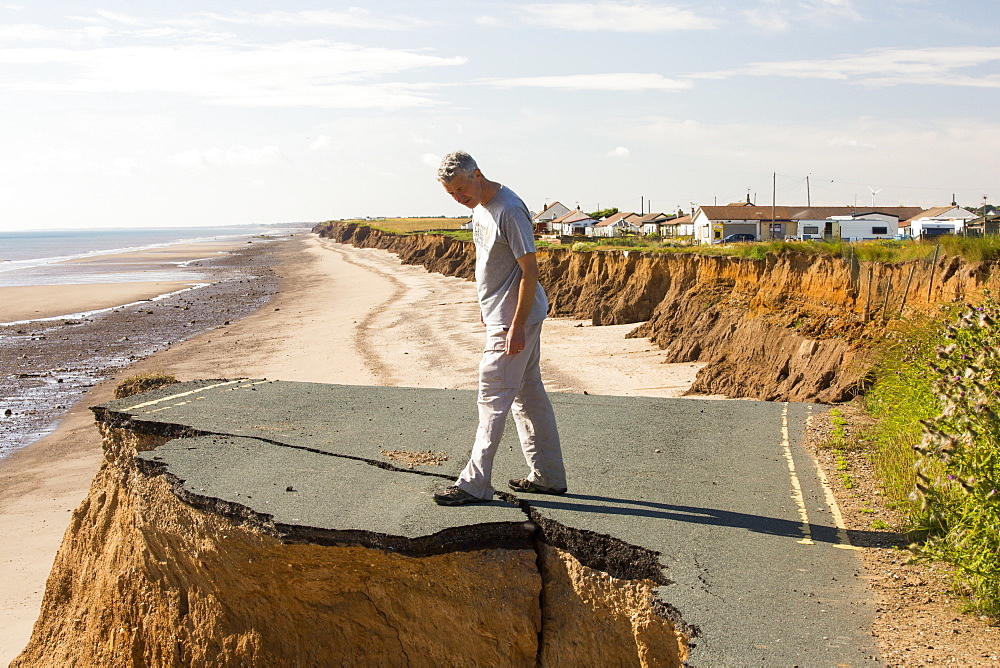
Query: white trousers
x,y
513,382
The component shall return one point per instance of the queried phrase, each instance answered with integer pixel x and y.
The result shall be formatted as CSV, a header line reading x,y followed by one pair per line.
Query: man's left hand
x,y
515,340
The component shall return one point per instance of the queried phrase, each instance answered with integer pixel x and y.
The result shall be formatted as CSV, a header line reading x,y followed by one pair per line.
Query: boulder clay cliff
x,y
790,327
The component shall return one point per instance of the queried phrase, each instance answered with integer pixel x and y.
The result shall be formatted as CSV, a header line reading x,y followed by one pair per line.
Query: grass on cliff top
x,y
412,225
972,249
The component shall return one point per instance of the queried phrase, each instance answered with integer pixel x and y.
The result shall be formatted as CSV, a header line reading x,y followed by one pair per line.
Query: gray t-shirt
x,y
502,231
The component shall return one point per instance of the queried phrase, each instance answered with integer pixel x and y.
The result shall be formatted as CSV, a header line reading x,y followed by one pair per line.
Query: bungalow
x,y
543,221
678,228
712,223
937,221
615,225
573,222
651,223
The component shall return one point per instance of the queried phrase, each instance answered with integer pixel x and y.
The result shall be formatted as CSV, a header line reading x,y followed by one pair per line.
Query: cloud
x,y
841,142
28,32
291,74
779,15
235,156
619,152
353,18
614,17
320,143
626,81
431,160
123,166
884,67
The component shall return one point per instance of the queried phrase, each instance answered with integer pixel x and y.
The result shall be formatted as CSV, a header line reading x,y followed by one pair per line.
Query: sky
x,y
137,113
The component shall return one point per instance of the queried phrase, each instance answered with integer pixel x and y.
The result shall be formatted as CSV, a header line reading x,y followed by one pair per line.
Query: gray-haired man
x,y
512,306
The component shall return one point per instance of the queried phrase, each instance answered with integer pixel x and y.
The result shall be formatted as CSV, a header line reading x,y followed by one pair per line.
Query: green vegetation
x,y
412,225
973,249
143,382
461,235
937,443
970,248
603,213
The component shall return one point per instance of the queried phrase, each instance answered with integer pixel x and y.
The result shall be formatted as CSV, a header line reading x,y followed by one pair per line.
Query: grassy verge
x,y
411,225
970,248
937,442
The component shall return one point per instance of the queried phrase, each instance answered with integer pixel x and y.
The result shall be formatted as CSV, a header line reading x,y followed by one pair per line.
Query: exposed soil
x,y
411,459
918,617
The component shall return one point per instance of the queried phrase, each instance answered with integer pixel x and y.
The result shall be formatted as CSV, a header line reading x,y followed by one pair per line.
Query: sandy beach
x,y
340,315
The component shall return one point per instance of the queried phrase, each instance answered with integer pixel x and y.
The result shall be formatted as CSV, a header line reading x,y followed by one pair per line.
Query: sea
x,y
48,364
38,257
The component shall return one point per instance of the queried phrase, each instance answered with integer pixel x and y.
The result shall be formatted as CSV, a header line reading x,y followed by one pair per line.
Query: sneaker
x,y
456,496
526,485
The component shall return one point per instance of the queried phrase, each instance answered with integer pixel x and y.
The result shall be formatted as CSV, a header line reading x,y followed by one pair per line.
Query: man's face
x,y
467,190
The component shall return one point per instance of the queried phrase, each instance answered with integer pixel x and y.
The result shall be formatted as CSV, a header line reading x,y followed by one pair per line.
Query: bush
x,y
959,456
143,382
937,443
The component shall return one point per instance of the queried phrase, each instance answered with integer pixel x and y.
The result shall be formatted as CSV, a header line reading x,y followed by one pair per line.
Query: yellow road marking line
x,y
844,540
796,486
182,394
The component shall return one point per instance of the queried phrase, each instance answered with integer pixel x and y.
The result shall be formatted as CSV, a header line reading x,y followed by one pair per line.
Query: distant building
x,y
616,225
650,224
937,221
574,222
713,223
543,220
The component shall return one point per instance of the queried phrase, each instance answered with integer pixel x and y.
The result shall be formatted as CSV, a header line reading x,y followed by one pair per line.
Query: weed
x,y
938,397
880,525
143,382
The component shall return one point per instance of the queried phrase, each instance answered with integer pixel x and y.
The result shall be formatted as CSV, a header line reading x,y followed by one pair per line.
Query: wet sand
x,y
25,302
340,315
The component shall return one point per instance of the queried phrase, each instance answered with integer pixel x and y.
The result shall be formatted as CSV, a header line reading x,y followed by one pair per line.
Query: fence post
x,y
868,295
906,290
930,283
885,302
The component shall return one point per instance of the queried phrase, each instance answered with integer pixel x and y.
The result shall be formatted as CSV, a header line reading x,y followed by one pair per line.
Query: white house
x,y
615,225
651,224
543,221
937,221
678,228
573,222
712,223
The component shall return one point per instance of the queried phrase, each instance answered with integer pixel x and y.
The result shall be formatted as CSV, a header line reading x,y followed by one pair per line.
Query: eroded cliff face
x,y
144,578
792,327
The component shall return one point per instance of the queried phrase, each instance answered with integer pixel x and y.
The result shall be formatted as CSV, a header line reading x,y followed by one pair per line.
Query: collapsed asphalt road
x,y
715,500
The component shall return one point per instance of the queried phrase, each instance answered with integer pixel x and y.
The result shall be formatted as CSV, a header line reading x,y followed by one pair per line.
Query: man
x,y
512,307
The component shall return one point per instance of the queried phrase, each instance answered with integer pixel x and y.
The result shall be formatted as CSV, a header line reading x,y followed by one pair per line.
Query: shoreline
x,y
50,360
338,315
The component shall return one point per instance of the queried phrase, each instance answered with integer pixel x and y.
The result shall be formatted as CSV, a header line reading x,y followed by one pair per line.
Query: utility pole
x,y
774,190
808,196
